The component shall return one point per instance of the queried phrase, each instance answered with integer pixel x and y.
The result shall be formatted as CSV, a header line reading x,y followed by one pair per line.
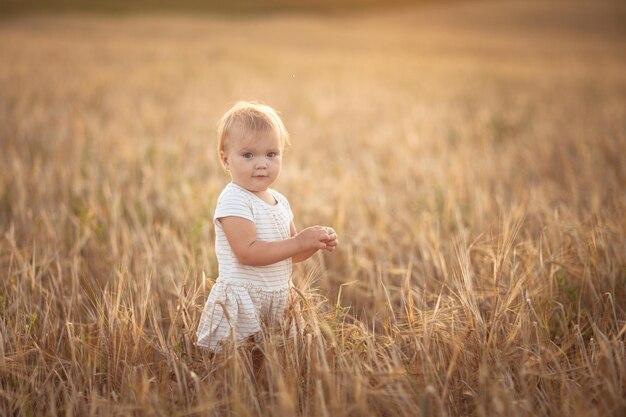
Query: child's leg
x,y
253,355
258,360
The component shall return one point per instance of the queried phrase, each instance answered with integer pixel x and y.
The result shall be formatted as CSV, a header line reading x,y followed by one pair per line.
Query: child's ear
x,y
224,159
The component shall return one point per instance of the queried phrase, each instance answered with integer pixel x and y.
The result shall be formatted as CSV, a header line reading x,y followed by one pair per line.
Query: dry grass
x,y
469,156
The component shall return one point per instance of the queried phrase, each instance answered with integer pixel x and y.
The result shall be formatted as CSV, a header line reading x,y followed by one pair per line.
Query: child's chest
x,y
273,222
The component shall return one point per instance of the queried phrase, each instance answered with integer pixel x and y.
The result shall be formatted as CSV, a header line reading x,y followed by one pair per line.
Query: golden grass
x,y
470,157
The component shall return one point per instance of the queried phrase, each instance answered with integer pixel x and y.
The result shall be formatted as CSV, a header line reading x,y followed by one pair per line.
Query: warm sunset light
x,y
285,208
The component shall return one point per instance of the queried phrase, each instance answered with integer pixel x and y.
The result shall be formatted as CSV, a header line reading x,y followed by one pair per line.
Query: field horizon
x,y
469,155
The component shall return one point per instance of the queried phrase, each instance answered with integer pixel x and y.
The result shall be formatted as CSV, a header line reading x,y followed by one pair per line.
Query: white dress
x,y
244,297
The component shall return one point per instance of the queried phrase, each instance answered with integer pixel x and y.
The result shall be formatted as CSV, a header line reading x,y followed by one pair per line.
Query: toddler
x,y
256,241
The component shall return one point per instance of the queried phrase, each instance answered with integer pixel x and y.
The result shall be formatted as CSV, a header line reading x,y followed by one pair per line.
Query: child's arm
x,y
241,235
331,243
302,256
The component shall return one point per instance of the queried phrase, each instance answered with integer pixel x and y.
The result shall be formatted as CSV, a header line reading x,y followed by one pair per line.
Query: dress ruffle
x,y
237,310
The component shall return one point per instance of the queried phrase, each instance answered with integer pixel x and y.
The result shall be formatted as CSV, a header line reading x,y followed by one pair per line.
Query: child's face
x,y
254,162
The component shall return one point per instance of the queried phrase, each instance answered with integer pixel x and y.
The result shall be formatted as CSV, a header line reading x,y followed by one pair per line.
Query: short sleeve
x,y
233,203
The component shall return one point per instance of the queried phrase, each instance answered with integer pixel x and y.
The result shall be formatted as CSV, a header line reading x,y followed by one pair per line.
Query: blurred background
x,y
468,153
211,6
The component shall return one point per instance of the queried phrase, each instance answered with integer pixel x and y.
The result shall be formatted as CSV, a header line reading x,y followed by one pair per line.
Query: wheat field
x,y
470,156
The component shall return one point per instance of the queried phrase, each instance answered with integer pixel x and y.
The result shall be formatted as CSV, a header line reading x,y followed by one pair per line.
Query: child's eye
x,y
247,155
272,154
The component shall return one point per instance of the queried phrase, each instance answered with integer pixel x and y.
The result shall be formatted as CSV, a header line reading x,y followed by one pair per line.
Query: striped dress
x,y
245,297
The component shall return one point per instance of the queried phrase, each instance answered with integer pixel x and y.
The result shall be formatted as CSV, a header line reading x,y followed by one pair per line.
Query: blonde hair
x,y
248,117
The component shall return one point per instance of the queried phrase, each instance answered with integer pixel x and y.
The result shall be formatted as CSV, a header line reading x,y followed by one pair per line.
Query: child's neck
x,y
265,196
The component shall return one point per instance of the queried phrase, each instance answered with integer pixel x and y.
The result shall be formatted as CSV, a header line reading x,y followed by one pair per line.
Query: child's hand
x,y
314,237
332,242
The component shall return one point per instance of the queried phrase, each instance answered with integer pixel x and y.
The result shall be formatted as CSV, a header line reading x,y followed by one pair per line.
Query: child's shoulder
x,y
233,192
231,187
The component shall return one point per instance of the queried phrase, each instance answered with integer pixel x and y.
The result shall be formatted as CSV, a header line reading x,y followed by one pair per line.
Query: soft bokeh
x,y
470,156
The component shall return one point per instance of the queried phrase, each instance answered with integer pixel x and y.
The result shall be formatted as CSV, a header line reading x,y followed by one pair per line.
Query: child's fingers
x,y
332,238
331,232
331,245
